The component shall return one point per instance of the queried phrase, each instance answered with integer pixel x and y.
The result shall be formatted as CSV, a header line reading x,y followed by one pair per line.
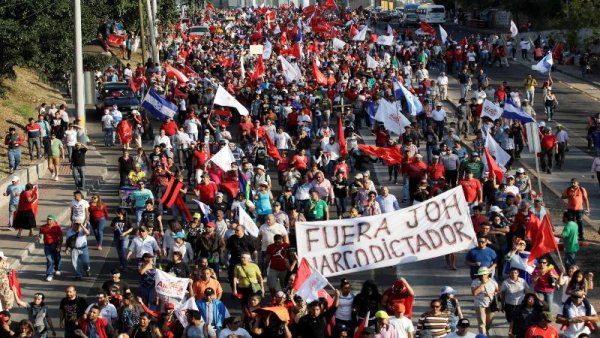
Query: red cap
x,y
399,286
211,225
169,306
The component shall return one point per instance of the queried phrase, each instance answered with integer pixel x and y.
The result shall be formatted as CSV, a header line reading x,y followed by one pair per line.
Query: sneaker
x,y
58,273
56,178
49,279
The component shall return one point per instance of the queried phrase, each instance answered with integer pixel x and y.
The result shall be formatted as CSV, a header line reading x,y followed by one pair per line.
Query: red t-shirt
x,y
416,169
548,141
201,158
98,212
170,128
471,188
207,192
436,171
248,127
300,163
52,234
279,254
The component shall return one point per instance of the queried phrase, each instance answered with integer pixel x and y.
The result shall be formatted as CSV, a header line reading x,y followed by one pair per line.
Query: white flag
x,y
491,110
371,63
361,35
289,71
242,69
223,98
545,64
443,34
386,40
392,119
183,308
390,31
229,26
309,287
338,44
513,29
501,156
267,50
223,158
247,221
167,285
277,30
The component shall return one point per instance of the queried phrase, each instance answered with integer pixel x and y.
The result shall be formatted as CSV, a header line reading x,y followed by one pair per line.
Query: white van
x,y
431,13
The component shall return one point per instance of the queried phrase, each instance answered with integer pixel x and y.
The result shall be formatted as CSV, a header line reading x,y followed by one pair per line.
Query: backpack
x,y
70,242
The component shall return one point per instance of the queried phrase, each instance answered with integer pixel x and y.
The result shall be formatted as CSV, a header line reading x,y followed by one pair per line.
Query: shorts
x,y
54,160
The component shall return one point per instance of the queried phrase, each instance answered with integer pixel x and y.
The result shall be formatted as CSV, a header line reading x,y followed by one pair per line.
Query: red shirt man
x,y
169,126
436,169
472,189
548,141
52,232
277,255
417,168
207,190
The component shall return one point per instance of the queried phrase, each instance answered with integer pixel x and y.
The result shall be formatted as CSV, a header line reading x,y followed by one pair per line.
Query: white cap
x,y
2,255
15,179
520,171
495,208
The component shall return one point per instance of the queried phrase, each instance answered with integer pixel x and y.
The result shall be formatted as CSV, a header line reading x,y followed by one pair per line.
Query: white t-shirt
x,y
78,209
281,140
127,73
402,326
107,121
575,329
240,332
70,137
109,312
268,232
191,126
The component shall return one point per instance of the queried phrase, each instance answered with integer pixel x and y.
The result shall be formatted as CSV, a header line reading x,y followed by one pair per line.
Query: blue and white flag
x,y
205,209
159,106
512,111
414,104
545,64
267,50
298,36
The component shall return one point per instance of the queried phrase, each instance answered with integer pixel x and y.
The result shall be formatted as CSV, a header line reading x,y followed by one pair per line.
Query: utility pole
x,y
142,31
79,96
155,57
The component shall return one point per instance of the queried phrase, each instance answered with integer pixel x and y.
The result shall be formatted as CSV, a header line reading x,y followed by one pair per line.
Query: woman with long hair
x,y
25,218
525,315
129,312
451,306
38,316
367,301
98,216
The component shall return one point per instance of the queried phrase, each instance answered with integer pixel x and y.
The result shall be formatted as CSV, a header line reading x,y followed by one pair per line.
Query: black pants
x,y
546,159
560,155
451,177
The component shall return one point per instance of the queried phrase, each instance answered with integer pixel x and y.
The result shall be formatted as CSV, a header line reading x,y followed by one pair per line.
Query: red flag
x,y
543,241
132,85
297,50
259,70
318,75
172,192
13,282
283,39
36,201
425,27
353,31
391,156
172,72
557,51
256,37
362,325
115,40
271,149
189,71
183,208
179,93
374,37
330,4
308,281
493,166
124,131
343,148
210,7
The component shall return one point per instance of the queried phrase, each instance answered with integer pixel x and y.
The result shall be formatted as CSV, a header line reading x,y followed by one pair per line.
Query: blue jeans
x,y
340,204
79,177
547,297
138,214
569,259
14,158
80,258
529,94
108,136
148,296
53,259
122,244
98,226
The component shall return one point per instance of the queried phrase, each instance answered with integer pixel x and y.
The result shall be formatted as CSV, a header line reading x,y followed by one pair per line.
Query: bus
x,y
410,14
431,13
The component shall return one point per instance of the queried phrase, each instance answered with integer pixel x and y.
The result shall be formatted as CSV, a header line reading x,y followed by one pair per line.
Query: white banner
x,y
386,40
256,49
225,99
491,110
167,285
183,308
436,227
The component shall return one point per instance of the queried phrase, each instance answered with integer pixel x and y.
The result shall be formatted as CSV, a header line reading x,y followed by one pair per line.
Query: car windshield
x,y
198,29
118,92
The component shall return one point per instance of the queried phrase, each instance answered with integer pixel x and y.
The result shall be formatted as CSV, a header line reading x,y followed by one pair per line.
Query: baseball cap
x,y
169,306
483,271
474,154
381,315
463,323
520,171
260,166
197,215
179,235
280,294
219,194
209,291
52,217
211,225
447,290
15,179
547,316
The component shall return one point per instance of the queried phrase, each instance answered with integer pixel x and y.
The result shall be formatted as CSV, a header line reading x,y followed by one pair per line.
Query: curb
x,y
62,215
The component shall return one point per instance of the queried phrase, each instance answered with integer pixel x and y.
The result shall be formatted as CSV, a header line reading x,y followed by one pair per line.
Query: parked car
x,y
198,31
119,94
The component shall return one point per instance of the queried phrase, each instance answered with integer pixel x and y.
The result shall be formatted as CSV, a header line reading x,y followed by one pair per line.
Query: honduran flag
x,y
512,111
545,64
415,107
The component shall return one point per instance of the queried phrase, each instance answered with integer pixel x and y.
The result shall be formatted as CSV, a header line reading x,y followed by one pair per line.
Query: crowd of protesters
x,y
289,166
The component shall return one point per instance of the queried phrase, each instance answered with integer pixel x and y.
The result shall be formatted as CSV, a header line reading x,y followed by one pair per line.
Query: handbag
x,y
496,303
255,287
